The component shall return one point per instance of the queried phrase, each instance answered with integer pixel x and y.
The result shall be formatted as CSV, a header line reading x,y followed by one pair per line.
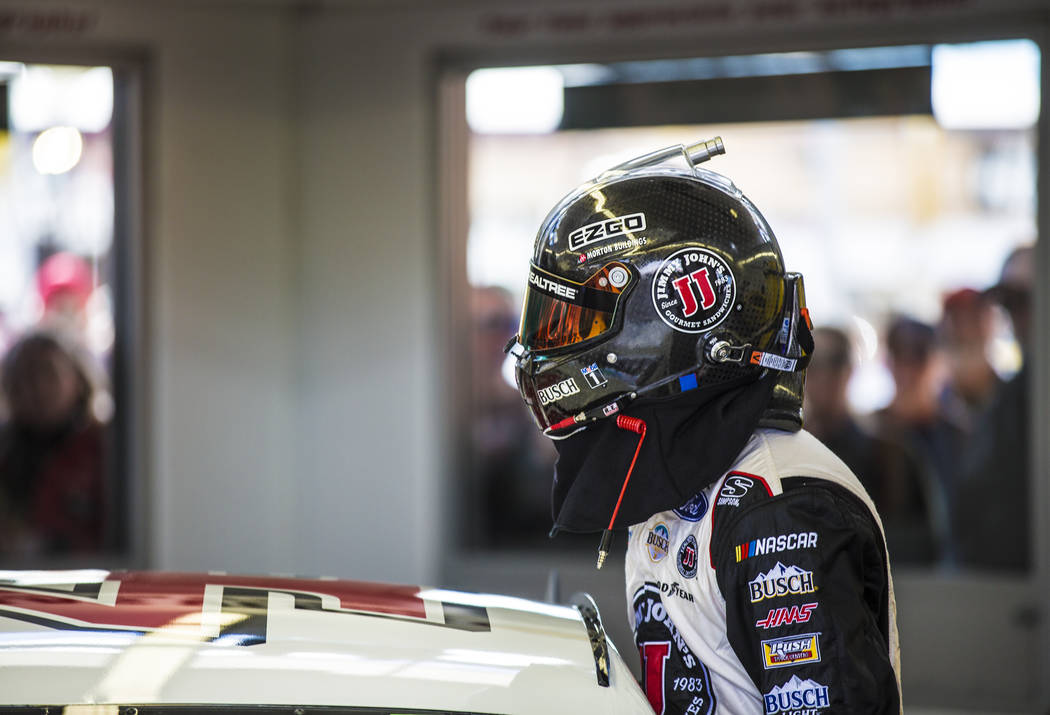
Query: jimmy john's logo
x,y
694,290
779,581
601,230
558,390
792,650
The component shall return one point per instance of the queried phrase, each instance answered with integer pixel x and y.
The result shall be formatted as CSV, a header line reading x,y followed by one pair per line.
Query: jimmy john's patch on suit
x,y
688,557
674,679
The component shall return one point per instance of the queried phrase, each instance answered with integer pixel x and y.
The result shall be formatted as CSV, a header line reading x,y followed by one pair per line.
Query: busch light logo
x,y
781,580
796,697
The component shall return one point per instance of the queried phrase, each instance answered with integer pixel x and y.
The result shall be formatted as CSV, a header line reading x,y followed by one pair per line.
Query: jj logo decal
x,y
693,290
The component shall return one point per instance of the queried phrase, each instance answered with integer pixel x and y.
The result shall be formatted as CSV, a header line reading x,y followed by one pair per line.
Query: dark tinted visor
x,y
558,312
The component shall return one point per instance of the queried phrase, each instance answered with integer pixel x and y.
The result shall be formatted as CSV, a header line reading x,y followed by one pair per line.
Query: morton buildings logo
x,y
693,290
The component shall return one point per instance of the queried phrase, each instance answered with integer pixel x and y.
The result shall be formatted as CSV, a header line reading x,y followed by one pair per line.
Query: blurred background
x,y
259,260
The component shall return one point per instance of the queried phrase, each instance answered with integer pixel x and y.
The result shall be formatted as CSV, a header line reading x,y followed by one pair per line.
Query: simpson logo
x,y
797,696
734,489
693,290
687,557
793,650
776,544
786,616
610,409
658,541
552,286
779,581
558,390
593,375
602,230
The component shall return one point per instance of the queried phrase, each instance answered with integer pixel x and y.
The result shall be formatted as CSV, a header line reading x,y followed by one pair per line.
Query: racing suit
x,y
768,592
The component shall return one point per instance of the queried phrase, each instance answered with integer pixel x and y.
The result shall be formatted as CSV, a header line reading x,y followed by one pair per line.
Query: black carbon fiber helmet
x,y
654,279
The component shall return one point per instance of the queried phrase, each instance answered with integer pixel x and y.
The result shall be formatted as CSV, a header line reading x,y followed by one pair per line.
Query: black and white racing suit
x,y
768,592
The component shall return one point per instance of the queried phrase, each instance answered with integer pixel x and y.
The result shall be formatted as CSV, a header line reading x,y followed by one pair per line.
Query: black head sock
x,y
691,440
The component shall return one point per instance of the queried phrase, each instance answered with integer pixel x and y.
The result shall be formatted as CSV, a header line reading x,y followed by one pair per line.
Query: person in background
x,y
64,284
915,421
993,516
890,473
507,453
51,451
964,334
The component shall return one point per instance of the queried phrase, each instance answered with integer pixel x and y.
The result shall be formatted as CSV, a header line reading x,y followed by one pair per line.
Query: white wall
x,y
219,267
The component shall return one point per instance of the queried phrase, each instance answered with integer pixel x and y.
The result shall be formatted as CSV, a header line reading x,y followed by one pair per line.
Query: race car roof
x,y
154,638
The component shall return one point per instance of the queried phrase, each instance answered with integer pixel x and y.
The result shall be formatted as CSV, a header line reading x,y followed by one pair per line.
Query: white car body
x,y
151,640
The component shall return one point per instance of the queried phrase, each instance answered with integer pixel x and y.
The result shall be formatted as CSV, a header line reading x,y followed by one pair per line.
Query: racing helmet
x,y
656,278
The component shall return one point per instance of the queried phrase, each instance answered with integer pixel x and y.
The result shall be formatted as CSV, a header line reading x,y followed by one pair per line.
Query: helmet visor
x,y
559,312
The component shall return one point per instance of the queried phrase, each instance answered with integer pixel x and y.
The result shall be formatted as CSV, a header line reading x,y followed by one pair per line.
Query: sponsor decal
x,y
611,409
235,610
791,650
796,697
694,509
675,589
552,286
687,557
784,616
693,290
558,390
658,541
779,581
593,375
776,544
673,677
603,230
734,488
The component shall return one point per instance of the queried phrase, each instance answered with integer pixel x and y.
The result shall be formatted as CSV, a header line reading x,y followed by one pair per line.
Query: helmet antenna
x,y
631,424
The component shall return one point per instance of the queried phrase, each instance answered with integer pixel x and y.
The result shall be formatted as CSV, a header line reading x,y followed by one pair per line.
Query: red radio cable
x,y
631,424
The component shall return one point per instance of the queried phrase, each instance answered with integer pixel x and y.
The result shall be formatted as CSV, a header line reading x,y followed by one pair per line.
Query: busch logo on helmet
x,y
557,391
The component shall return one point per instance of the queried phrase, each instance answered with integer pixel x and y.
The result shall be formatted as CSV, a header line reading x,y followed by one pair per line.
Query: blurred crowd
x,y
946,461
54,404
